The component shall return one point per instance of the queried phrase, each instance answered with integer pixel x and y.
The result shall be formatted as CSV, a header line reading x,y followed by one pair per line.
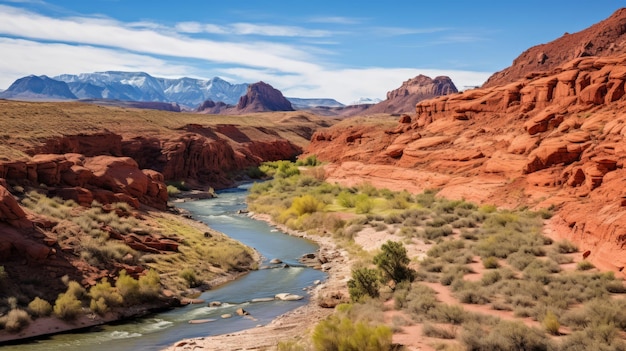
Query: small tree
x,y
393,261
364,282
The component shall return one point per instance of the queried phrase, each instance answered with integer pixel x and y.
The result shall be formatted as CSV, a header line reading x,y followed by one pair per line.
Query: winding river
x,y
161,330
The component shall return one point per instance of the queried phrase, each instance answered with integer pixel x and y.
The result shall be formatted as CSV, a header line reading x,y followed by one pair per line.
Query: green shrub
x,y
306,204
309,161
363,204
67,306
172,190
40,307
364,282
16,320
342,334
393,262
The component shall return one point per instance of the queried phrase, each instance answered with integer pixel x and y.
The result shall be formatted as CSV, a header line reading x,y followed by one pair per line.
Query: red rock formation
x,y
412,91
262,97
556,138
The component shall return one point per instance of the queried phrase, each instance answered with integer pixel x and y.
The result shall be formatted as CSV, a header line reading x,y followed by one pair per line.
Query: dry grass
x,y
26,125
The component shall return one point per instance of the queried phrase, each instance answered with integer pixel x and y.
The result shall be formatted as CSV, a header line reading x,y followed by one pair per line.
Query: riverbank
x,y
293,325
49,326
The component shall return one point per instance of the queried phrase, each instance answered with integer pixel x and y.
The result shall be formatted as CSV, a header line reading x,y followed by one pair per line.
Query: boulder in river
x,y
288,297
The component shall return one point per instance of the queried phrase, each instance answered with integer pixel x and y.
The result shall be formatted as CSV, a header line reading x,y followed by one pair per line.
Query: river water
x,y
161,330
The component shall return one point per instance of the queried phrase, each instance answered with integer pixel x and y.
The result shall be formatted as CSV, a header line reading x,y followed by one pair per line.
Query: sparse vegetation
x,y
524,277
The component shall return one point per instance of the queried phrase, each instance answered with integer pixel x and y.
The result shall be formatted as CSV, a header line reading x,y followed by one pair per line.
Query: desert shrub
x,y
107,293
309,161
400,294
393,262
306,204
504,336
565,246
445,313
279,169
584,265
172,190
364,283
16,320
189,275
491,262
67,306
601,338
491,277
128,287
40,307
346,199
439,332
615,287
427,198
551,323
363,204
342,334
76,290
99,306
520,260
474,296
150,284
290,345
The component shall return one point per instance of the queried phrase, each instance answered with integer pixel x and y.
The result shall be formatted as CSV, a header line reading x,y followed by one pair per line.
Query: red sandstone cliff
x,y
412,91
555,138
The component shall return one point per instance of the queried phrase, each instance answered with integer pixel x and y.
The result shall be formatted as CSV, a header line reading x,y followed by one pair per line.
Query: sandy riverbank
x,y
293,325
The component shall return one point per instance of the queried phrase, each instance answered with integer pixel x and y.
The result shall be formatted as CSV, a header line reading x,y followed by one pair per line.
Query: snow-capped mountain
x,y
140,86
307,103
35,88
365,101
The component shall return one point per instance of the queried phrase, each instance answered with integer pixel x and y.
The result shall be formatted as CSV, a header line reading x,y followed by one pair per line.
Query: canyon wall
x,y
552,139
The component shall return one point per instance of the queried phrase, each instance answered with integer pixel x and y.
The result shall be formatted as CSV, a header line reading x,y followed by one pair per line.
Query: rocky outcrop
x,y
412,91
262,97
212,107
84,179
606,38
553,139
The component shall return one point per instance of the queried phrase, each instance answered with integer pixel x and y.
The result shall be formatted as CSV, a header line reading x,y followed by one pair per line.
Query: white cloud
x,y
103,32
24,57
50,46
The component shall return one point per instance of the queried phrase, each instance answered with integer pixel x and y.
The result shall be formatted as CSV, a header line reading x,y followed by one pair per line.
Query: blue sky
x,y
309,49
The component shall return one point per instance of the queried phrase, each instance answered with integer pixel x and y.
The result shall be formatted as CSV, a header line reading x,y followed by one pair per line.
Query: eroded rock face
x,y
262,97
84,179
412,91
556,138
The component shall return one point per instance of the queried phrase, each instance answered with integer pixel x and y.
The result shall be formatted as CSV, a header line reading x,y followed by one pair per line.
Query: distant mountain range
x,y
136,86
